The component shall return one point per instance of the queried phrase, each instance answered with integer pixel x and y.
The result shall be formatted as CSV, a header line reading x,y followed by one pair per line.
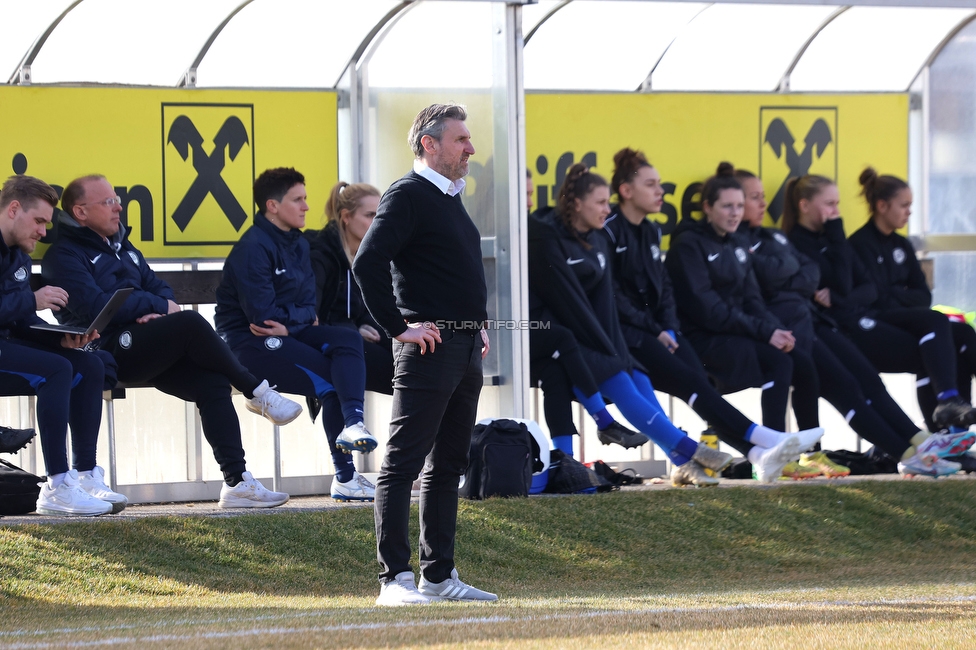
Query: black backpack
x,y
18,490
500,462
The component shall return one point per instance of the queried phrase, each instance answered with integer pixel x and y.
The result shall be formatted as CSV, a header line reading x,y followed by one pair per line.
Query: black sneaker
x,y
954,411
13,440
618,434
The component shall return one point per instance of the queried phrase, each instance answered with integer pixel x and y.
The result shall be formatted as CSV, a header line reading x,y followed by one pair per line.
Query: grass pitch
x,y
858,565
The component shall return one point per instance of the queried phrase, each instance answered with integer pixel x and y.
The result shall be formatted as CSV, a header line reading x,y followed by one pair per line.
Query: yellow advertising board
x,y
686,135
182,160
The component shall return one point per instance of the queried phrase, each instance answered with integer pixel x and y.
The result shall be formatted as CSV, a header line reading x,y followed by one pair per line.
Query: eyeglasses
x,y
108,203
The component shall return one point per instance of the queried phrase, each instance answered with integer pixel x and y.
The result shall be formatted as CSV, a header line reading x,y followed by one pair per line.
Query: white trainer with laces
x,y
93,483
269,403
401,591
69,499
356,438
358,488
770,462
454,589
808,438
927,466
249,493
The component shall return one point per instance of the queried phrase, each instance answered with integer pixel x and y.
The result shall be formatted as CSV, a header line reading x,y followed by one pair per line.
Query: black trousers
x,y
435,403
557,365
841,388
379,366
868,380
68,385
769,369
964,338
681,374
893,342
324,362
181,355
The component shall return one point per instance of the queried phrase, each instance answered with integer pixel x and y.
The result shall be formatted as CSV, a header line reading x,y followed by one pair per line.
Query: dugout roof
x,y
598,45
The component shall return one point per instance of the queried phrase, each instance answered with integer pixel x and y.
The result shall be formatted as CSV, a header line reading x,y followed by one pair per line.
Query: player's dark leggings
x,y
775,367
323,362
557,364
841,389
681,374
181,355
868,380
68,385
807,387
916,341
964,338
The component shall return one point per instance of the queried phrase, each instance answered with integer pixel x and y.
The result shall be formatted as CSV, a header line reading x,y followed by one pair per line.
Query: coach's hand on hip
x,y
423,334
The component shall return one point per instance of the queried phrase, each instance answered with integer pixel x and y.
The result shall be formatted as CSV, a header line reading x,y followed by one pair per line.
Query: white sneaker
x,y
269,403
69,499
769,466
453,589
249,493
808,438
356,438
932,466
401,591
358,488
93,483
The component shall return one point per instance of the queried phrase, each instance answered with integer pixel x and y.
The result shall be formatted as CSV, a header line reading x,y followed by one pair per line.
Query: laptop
x,y
104,317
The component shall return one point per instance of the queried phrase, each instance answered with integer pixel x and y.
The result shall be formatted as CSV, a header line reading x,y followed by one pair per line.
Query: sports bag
x,y
569,476
18,490
500,462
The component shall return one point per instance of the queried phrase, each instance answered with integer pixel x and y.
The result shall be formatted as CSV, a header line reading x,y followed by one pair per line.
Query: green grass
x,y
628,549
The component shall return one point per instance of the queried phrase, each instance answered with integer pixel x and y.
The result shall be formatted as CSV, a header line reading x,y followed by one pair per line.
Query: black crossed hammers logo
x,y
778,137
231,137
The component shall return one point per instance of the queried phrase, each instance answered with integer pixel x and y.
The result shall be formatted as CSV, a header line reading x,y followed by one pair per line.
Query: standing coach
x,y
420,271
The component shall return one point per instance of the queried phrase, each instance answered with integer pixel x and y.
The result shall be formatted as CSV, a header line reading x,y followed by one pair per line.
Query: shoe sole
x,y
65,513
280,423
403,604
247,503
799,476
446,599
23,445
962,446
342,497
827,471
363,445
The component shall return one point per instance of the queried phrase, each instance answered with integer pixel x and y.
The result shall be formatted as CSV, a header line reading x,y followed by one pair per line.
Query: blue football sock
x,y
646,415
947,394
563,444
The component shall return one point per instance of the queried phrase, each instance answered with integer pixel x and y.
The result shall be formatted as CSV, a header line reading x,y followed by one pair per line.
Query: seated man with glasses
x,y
152,340
67,381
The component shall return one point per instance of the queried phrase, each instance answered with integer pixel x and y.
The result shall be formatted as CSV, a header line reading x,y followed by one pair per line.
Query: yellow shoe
x,y
796,471
827,467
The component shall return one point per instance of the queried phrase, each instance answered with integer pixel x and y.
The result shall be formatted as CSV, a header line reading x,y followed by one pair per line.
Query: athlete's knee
x,y
192,322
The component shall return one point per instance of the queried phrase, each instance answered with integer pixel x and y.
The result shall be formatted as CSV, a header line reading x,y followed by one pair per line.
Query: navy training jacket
x,y
267,276
91,269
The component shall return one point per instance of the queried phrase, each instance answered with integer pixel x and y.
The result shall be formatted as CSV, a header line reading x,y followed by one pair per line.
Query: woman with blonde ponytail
x,y
349,212
848,380
913,340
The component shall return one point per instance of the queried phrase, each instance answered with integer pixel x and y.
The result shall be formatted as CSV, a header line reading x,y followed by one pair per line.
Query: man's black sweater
x,y
424,245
